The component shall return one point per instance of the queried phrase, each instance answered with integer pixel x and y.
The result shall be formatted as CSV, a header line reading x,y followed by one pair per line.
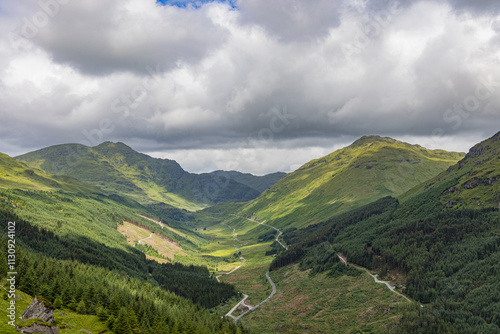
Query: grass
x,y
307,304
302,303
62,317
371,168
478,179
73,214
114,168
14,174
100,219
167,248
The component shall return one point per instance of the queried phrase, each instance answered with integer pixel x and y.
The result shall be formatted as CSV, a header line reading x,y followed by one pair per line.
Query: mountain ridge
x,y
477,178
117,168
438,243
370,168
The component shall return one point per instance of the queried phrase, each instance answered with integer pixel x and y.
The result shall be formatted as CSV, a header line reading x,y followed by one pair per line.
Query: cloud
x,y
477,6
268,79
102,37
292,20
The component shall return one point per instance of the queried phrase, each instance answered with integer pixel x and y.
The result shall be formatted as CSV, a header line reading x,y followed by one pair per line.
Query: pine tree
x,y
89,295
58,303
176,328
78,293
132,320
28,282
73,304
56,286
145,326
122,325
81,308
66,297
114,307
199,329
45,292
102,313
158,326
110,322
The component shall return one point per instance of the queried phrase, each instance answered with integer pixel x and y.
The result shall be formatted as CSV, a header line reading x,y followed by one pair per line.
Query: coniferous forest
x,y
450,258
125,290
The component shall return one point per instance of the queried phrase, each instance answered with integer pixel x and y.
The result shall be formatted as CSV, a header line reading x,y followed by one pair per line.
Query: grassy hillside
x,y
370,168
478,176
116,168
14,174
259,183
445,256
72,321
308,303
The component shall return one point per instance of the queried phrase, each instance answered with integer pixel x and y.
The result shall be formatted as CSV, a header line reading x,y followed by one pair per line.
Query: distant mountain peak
x,y
112,144
372,139
119,169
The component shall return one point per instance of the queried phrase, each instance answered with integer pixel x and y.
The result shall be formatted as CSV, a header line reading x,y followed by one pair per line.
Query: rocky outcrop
x,y
38,328
476,181
40,308
38,318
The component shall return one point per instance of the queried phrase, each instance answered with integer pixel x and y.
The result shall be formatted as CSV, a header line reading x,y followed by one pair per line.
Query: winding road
x,y
374,276
250,307
277,230
151,219
142,241
242,302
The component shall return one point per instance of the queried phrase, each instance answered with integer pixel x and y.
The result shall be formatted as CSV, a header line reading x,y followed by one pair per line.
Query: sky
x,y
251,85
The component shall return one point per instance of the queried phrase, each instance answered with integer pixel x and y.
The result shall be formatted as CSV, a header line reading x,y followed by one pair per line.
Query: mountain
x,y
69,251
477,178
67,237
14,174
259,183
371,168
116,168
440,245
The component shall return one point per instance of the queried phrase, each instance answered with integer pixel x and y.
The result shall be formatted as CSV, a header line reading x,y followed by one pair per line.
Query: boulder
x,y
36,328
39,308
40,316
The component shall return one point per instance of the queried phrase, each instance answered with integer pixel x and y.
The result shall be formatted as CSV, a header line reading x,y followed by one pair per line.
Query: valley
x,y
367,239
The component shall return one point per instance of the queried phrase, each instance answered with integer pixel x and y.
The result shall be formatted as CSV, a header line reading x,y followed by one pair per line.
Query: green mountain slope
x,y
370,168
443,255
68,249
117,168
259,183
14,174
477,175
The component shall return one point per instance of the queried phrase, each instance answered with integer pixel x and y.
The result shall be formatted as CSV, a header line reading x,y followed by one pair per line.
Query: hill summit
x,y
370,168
